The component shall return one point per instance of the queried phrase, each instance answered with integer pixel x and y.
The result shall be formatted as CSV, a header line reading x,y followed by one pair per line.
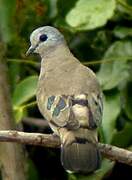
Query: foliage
x,y
99,34
90,14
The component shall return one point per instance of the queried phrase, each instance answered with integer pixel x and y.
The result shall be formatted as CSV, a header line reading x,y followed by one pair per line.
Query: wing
x,y
75,110
60,110
95,108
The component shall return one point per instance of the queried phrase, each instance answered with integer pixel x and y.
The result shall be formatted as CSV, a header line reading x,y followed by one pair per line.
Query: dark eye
x,y
43,37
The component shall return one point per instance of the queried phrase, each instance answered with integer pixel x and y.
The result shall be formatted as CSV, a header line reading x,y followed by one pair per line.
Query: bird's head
x,y
44,39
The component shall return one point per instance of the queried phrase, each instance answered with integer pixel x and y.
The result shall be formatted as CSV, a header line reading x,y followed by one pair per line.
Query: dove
x,y
70,98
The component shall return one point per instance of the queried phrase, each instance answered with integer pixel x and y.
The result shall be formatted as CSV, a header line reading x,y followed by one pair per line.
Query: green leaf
x,y
111,111
112,74
122,32
123,138
18,114
124,8
90,14
52,8
7,10
25,90
106,167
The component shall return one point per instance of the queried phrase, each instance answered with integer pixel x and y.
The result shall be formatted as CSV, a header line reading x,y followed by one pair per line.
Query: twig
x,y
40,123
46,140
109,151
24,61
115,153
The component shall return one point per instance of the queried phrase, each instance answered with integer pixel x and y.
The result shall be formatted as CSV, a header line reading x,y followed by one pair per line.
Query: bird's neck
x,y
57,57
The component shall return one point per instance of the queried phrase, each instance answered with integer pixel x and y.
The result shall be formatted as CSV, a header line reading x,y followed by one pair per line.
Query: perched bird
x,y
70,98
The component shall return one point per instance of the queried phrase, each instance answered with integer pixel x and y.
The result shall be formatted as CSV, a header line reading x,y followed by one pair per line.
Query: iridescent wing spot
x,y
50,102
59,107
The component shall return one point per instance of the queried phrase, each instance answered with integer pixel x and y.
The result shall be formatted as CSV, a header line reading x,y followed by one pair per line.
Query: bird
x,y
69,96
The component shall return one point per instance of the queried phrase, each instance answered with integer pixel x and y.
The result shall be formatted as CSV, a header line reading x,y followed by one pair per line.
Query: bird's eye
x,y
43,37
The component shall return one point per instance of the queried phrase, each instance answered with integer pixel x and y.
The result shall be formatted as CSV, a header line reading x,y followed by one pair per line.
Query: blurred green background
x,y
99,33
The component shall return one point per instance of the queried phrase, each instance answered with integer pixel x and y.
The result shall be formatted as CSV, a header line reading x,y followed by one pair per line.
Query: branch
x,y
47,140
40,123
115,153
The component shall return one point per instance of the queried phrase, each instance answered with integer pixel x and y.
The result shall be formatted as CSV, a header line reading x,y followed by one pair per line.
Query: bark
x,y
11,155
111,152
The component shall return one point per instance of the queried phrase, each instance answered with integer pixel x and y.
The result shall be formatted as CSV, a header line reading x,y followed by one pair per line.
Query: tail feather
x,y
80,156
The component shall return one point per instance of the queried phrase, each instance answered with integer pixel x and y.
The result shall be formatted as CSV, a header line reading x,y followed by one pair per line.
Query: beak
x,y
30,51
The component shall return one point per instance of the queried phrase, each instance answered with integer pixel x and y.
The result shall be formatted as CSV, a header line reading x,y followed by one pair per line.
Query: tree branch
x,y
47,140
40,123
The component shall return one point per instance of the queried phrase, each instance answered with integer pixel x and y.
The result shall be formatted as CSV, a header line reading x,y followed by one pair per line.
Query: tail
x,y
78,154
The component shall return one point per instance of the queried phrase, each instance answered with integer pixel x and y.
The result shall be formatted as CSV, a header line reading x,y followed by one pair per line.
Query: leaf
x,y
25,90
7,10
123,138
18,114
52,8
106,167
90,14
122,32
124,9
112,74
111,111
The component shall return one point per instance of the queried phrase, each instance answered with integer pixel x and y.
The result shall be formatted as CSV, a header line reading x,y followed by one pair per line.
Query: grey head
x,y
44,39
